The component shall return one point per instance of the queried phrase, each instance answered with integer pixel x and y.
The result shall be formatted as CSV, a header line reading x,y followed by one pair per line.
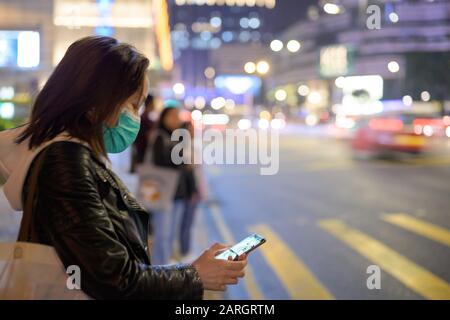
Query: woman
x,y
88,108
193,196
166,222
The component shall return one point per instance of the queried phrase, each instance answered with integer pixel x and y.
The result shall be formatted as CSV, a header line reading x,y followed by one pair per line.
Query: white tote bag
x,y
157,186
33,271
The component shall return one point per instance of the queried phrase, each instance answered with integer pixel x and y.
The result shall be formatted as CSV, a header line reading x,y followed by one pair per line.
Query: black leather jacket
x,y
87,214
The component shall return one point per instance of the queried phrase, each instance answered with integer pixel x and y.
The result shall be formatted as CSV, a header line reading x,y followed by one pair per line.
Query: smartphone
x,y
245,246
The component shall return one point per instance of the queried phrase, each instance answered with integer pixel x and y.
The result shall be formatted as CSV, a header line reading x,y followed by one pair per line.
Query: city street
x,y
327,217
184,101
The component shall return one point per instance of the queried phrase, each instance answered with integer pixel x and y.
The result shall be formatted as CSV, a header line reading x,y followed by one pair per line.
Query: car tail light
x,y
381,124
446,120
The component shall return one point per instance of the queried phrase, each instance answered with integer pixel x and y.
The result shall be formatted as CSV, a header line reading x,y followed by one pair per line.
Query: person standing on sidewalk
x,y
88,108
165,222
195,193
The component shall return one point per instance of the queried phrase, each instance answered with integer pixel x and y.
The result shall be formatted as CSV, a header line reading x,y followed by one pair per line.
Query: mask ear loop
x,y
132,115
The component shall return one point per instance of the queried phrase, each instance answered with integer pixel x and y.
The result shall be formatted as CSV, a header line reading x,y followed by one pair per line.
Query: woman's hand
x,y
217,274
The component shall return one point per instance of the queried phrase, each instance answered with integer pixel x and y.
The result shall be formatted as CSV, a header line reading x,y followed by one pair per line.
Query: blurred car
x,y
431,126
387,134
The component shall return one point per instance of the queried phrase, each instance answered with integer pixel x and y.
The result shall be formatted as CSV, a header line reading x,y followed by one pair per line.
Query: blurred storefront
x,y
340,62
34,36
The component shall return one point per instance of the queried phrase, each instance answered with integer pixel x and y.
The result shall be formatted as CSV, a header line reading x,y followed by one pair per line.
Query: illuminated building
x,y
217,34
342,53
34,35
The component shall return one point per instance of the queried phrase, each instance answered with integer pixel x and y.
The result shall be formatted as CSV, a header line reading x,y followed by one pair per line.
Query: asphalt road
x,y
327,218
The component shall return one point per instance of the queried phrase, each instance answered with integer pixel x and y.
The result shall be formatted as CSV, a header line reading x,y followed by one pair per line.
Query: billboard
x,y
19,49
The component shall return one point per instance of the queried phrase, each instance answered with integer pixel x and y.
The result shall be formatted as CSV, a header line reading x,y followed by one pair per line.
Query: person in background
x,y
141,144
191,199
169,121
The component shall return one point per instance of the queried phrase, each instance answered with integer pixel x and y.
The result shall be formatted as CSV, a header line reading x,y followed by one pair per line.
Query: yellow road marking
x,y
249,279
295,276
420,227
413,276
429,162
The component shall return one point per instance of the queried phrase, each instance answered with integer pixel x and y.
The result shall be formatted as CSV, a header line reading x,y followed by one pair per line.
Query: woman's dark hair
x,y
186,125
162,116
149,100
88,87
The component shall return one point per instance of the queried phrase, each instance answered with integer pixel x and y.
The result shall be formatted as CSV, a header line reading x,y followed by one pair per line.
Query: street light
x,y
199,102
262,67
276,45
250,67
303,90
218,103
331,8
314,97
425,96
393,17
407,100
210,72
280,95
293,46
178,89
393,66
196,115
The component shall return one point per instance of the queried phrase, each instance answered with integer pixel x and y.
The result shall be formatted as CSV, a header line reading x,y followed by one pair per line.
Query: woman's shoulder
x,y
67,149
59,163
69,154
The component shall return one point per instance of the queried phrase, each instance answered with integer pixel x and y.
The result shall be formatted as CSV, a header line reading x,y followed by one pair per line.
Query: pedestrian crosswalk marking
x,y
292,272
413,276
420,227
249,279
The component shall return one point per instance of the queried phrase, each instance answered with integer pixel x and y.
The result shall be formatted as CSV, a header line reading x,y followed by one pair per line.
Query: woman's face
x,y
132,104
172,119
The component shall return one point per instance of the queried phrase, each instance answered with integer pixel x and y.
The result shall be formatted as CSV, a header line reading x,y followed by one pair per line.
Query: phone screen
x,y
245,246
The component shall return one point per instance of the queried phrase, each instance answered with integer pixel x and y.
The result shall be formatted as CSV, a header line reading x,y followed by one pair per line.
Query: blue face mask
x,y
120,137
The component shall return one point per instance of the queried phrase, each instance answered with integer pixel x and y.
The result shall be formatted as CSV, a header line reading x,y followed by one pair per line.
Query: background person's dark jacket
x,y
86,213
162,156
141,144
